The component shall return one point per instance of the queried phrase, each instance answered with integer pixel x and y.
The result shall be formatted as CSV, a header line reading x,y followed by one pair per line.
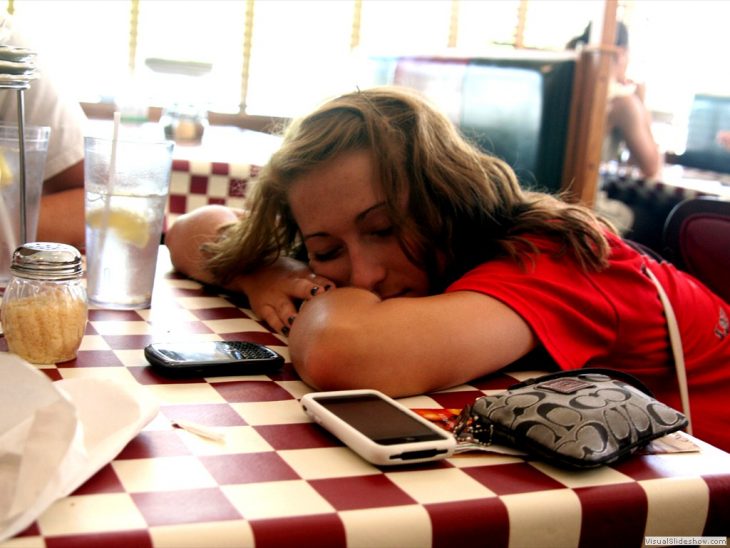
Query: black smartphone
x,y
213,358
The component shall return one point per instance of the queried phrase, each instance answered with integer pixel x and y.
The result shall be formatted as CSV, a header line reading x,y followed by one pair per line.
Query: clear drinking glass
x,y
36,148
125,209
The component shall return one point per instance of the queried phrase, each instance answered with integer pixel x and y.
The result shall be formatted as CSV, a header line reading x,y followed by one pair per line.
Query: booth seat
x,y
697,239
197,183
218,170
514,104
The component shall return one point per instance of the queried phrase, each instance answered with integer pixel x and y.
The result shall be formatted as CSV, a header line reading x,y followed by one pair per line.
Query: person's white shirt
x,y
45,104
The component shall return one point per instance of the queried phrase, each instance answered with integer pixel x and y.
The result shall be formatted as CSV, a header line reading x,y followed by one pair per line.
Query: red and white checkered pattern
x,y
194,184
278,479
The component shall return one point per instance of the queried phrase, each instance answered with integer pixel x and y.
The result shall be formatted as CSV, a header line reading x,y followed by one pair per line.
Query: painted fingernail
x,y
328,287
285,330
314,290
290,319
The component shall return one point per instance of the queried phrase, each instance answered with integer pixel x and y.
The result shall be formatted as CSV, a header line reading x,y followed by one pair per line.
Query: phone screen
x,y
378,419
222,357
202,352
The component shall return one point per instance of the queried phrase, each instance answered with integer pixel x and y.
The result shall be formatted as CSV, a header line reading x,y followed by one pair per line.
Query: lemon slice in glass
x,y
6,176
129,226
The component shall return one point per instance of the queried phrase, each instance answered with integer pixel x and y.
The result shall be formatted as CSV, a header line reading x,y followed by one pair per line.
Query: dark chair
x,y
697,240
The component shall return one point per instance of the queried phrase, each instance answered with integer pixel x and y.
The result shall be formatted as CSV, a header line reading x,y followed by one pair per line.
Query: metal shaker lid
x,y
47,261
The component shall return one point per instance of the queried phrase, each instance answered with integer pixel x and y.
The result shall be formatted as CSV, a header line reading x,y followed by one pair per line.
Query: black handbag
x,y
580,419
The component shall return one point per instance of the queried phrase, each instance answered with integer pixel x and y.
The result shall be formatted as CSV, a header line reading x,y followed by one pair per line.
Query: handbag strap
x,y
676,344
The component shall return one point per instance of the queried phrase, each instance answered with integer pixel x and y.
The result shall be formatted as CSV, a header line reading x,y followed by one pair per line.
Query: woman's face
x,y
348,233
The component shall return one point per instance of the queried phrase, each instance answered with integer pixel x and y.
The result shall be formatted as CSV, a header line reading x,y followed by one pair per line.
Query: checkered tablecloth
x,y
278,479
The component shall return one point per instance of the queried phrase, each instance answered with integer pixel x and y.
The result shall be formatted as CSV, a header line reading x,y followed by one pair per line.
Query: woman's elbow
x,y
175,243
185,254
189,232
327,344
653,165
330,342
318,358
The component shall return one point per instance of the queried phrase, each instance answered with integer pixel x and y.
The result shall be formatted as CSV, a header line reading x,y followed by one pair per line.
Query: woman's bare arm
x,y
629,114
61,217
273,292
349,338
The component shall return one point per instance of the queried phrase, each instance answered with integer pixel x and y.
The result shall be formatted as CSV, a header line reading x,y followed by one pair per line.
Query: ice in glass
x,y
125,211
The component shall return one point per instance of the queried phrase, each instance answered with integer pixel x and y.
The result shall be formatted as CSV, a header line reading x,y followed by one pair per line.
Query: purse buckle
x,y
565,385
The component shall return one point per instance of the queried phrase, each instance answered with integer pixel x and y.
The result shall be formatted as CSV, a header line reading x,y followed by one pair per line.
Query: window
x,y
549,25
300,55
280,57
200,34
404,26
679,50
483,24
267,57
84,44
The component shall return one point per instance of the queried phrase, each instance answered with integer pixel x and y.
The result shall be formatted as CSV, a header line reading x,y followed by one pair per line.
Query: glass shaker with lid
x,y
44,308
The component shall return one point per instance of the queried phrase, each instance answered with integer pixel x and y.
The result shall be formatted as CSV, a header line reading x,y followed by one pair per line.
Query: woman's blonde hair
x,y
462,204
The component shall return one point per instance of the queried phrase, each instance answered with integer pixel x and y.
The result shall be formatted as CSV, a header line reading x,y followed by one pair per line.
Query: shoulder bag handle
x,y
676,343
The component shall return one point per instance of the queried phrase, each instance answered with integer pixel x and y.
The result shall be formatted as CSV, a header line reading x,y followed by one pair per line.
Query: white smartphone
x,y
377,427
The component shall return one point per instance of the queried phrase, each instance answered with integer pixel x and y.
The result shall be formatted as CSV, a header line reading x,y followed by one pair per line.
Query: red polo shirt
x,y
614,319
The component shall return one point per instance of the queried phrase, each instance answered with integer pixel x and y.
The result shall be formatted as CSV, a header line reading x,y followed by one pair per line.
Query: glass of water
x,y
126,188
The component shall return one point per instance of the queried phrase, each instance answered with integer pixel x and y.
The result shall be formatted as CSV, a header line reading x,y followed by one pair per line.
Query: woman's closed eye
x,y
330,254
327,255
383,232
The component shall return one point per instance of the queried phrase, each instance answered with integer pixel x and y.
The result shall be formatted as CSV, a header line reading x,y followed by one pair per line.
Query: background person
x,y
627,118
61,217
441,268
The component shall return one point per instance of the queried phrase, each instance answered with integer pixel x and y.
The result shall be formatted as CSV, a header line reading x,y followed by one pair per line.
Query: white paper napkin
x,y
56,435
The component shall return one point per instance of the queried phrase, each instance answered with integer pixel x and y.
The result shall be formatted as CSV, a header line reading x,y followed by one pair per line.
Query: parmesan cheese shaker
x,y
44,309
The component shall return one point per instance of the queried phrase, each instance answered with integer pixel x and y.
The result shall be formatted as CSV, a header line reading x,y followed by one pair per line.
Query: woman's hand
x,y
276,291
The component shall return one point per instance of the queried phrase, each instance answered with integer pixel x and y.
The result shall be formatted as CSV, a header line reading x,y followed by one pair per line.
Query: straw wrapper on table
x,y
56,435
